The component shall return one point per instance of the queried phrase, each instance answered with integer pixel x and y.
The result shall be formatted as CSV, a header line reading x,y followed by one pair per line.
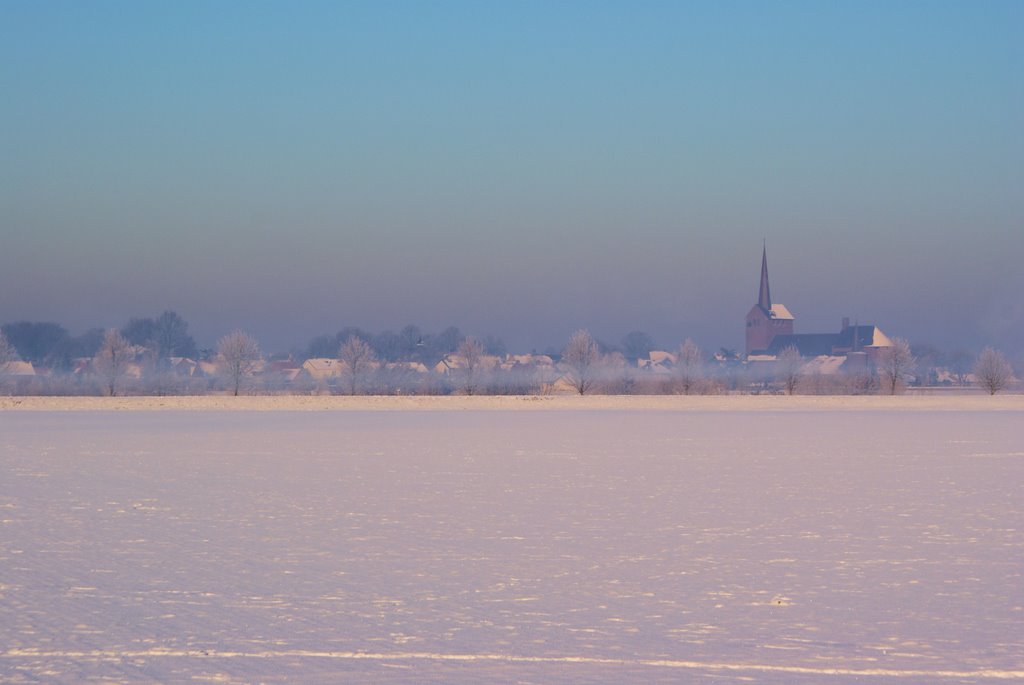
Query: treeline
x,y
158,356
50,346
409,344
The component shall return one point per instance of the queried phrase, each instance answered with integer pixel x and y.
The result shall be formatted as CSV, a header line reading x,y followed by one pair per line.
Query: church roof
x,y
809,344
779,311
818,344
868,335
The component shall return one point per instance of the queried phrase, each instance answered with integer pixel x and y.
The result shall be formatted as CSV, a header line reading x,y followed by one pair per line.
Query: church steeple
x,y
766,320
764,298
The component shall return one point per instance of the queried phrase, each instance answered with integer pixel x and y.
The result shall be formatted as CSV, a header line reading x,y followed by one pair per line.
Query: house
x,y
452,362
521,361
205,369
18,369
658,363
16,376
321,369
280,373
407,367
183,366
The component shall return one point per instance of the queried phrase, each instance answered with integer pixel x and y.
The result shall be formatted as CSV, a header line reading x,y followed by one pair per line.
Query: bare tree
x,y
7,351
689,366
582,358
43,344
472,351
239,355
7,355
894,365
858,382
929,359
358,359
992,371
171,338
637,345
790,365
112,359
960,366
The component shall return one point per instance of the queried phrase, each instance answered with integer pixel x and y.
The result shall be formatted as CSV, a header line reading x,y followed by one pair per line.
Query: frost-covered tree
x,y
960,366
7,351
637,345
929,359
445,342
894,365
992,371
42,343
789,369
689,366
112,360
165,336
139,331
239,355
7,355
357,360
171,337
495,346
472,351
582,360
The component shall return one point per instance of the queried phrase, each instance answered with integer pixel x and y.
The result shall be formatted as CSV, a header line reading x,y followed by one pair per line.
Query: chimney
x,y
846,323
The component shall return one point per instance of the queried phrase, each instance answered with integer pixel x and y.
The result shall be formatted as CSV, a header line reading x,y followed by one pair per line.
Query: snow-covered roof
x,y
825,364
661,357
17,369
206,368
418,367
529,360
458,361
322,367
880,339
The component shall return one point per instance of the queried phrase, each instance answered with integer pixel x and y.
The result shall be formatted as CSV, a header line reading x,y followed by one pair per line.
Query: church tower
x,y
766,320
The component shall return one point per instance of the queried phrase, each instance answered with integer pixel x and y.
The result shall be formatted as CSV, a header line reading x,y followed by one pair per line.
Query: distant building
x,y
658,362
856,338
765,320
770,330
321,369
16,376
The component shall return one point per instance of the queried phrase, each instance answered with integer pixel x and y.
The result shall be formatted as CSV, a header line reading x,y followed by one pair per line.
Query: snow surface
x,y
784,544
933,400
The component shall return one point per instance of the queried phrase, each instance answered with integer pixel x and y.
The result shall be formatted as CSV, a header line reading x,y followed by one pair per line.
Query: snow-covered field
x,y
583,540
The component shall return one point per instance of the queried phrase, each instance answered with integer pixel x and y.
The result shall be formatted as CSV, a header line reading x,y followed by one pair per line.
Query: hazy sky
x,y
520,169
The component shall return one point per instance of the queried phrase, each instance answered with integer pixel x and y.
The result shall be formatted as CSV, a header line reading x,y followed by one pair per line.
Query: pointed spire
x,y
764,298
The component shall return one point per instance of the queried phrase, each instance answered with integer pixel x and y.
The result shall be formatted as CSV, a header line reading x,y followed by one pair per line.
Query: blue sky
x,y
518,169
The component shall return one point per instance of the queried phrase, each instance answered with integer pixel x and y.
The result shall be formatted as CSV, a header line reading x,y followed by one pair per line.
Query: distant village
x,y
158,357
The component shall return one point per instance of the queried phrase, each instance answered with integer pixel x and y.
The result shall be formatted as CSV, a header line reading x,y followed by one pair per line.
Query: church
x,y
770,330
